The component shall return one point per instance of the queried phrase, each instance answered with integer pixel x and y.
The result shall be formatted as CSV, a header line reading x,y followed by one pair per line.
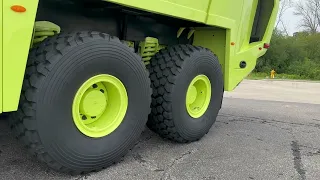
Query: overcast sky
x,y
291,20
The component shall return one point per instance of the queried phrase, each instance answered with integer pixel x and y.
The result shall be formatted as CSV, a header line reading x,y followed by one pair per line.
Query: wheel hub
x,y
198,96
93,103
100,105
192,95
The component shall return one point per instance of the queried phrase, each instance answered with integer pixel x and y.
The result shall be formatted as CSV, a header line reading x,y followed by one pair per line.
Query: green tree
x,y
297,55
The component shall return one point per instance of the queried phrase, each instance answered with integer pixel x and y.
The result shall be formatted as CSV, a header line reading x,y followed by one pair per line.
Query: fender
x,y
17,29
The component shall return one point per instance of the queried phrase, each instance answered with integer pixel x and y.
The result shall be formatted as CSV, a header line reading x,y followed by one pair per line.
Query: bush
x,y
294,57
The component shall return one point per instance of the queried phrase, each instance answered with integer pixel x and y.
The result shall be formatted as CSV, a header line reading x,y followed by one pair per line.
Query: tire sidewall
x,y
205,63
57,130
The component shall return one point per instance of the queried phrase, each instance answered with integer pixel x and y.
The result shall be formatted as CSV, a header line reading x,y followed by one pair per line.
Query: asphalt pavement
x,y
255,137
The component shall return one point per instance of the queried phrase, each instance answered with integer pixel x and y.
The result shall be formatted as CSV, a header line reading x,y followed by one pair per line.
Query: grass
x,y
260,75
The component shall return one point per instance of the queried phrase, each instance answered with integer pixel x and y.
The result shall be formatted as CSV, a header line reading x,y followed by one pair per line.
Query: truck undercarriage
x,y
85,77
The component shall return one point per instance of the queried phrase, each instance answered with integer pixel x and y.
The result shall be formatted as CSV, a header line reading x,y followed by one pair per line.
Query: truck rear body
x,y
234,30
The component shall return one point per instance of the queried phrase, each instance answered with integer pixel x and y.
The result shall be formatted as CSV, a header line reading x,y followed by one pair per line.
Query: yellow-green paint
x,y
246,22
100,105
214,39
191,32
148,48
230,20
180,31
130,43
43,30
270,27
198,96
235,18
225,14
250,52
17,32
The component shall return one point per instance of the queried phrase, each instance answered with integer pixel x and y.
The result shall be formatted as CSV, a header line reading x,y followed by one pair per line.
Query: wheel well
x,y
125,23
131,24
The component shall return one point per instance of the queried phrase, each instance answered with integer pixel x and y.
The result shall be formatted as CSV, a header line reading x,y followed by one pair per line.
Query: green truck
x,y
83,78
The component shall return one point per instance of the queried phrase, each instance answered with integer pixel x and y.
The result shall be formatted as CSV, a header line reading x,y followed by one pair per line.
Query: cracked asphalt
x,y
255,137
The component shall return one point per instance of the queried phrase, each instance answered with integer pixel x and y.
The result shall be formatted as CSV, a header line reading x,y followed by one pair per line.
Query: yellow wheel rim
x,y
100,105
198,96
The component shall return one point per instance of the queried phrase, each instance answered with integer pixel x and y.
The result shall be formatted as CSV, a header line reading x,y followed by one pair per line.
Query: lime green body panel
x,y
17,32
236,26
243,50
230,20
224,13
206,36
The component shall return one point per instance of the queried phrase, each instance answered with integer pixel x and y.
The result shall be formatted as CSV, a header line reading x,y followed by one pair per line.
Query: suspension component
x,y
43,30
148,48
129,43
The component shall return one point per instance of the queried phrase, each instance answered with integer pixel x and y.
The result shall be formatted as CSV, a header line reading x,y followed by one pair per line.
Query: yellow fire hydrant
x,y
272,73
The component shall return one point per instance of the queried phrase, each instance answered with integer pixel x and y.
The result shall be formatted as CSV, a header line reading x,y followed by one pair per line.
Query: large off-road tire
x,y
187,85
85,101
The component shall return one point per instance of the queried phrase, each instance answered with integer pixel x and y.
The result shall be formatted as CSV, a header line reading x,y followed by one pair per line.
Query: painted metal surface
x,y
198,96
213,39
246,51
236,19
17,32
100,105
